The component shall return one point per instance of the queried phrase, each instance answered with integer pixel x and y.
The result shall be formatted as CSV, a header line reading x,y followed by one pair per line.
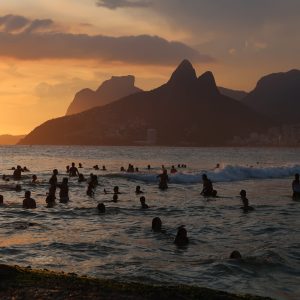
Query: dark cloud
x,y
38,24
33,43
15,23
11,23
114,4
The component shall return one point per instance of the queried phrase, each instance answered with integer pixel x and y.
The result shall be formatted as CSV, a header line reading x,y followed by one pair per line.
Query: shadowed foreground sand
x,y
25,283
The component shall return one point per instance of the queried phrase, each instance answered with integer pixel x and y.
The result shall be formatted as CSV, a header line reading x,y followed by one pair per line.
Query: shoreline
x,y
25,283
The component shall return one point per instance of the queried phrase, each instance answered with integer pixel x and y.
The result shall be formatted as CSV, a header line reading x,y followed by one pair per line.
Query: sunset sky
x,y
51,49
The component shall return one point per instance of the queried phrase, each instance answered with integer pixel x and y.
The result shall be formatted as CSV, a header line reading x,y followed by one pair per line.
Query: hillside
x,y
110,90
185,111
277,96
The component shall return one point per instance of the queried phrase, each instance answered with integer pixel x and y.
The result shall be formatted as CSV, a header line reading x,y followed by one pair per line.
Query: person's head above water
x,y
181,238
27,194
101,207
116,189
181,232
204,177
65,180
243,193
235,255
143,199
73,164
156,224
55,172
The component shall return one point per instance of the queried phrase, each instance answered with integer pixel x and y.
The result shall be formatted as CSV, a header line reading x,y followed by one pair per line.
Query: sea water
x,y
119,244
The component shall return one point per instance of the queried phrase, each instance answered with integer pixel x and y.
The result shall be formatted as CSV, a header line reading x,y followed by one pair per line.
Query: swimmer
x,y
67,169
181,238
156,224
80,165
90,190
207,190
104,168
94,180
64,191
130,168
96,167
101,208
173,170
25,169
138,190
50,199
1,200
122,169
34,179
17,173
143,203
116,190
235,255
81,178
28,202
245,201
137,170
115,198
18,188
149,167
296,187
163,180
53,179
73,171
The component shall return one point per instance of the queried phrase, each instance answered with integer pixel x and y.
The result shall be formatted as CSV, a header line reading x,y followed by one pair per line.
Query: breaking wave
x,y
227,173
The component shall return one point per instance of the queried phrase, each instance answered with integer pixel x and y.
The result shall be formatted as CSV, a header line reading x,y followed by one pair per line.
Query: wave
x,y
226,173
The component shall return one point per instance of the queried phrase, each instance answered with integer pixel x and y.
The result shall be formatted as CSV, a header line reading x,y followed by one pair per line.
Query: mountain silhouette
x,y
277,96
234,94
109,91
186,111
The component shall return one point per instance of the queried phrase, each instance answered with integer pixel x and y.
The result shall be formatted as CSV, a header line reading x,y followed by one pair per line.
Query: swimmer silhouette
x,y
28,202
181,238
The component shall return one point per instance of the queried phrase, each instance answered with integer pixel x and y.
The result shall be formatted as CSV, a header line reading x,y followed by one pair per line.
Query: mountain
x,y
7,139
234,94
277,96
110,90
186,111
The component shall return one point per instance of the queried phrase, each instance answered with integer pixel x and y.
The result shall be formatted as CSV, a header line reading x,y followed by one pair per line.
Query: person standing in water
x,y
163,180
73,171
64,191
296,187
245,207
28,202
208,190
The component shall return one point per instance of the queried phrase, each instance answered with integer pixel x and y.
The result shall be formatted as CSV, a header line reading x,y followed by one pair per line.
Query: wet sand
x,y
24,283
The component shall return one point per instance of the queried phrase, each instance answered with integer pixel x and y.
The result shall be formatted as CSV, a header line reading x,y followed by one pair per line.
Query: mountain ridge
x,y
186,110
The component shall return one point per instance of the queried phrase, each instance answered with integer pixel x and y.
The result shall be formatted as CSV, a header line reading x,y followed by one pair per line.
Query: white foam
x,y
226,173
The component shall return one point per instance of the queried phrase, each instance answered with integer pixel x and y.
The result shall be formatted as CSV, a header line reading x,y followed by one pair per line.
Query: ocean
x,y
120,244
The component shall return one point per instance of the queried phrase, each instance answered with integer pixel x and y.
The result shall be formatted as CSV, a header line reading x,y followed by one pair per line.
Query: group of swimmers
x,y
181,237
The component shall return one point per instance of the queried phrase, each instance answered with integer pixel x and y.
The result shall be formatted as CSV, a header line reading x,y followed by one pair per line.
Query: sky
x,y
49,50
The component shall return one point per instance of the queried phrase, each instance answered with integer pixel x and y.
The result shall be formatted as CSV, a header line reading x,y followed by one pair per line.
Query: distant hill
x,y
234,94
186,111
277,96
7,139
110,90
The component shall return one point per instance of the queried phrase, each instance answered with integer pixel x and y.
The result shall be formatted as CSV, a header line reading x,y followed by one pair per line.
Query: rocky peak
x,y
184,74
